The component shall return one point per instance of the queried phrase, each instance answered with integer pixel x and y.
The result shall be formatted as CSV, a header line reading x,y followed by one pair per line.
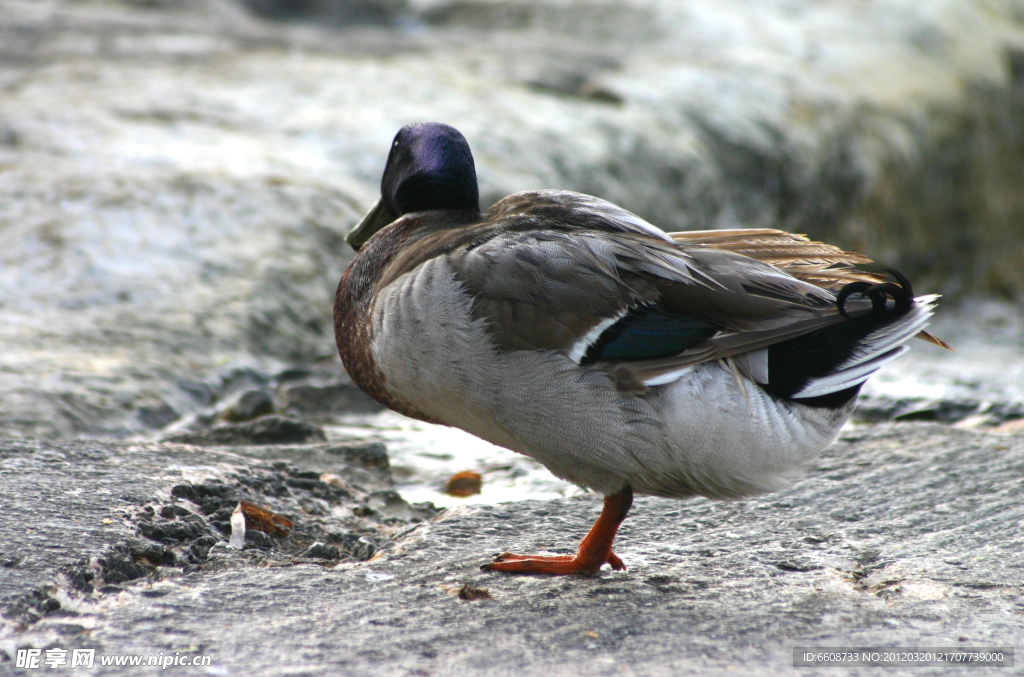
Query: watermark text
x,y
42,659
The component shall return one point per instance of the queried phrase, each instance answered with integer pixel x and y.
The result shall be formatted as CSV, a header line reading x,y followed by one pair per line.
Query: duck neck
x,y
393,251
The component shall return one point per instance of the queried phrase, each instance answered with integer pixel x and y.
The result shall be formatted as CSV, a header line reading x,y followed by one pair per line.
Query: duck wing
x,y
820,264
598,286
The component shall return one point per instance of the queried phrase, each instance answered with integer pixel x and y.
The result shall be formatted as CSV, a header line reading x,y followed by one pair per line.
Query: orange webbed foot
x,y
559,565
593,553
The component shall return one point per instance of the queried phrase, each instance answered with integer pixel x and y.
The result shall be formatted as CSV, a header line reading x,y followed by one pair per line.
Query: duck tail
x,y
826,368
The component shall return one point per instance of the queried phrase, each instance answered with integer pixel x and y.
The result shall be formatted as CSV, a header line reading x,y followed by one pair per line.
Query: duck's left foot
x,y
594,551
559,565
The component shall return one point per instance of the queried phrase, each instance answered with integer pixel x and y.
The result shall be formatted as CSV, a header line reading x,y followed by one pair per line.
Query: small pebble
x,y
463,484
252,404
469,593
322,551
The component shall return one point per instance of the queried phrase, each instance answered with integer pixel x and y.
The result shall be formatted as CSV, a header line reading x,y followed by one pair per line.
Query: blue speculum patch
x,y
648,334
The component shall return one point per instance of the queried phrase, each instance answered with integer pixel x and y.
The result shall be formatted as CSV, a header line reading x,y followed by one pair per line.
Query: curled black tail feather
x,y
902,294
794,363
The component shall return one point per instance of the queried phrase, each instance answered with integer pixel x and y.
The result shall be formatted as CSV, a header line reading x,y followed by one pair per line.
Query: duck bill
x,y
375,219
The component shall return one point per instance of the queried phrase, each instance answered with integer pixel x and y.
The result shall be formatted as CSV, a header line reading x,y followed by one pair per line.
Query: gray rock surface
x,y
175,178
979,385
264,430
901,535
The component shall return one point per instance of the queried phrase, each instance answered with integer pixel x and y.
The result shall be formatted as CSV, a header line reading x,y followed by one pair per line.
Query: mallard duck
x,y
622,358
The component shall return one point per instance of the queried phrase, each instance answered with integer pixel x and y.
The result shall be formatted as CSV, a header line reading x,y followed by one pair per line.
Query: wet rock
x,y
323,402
359,548
932,557
12,560
252,404
9,136
366,466
322,551
284,487
981,384
171,511
392,506
266,430
158,416
174,532
340,12
944,411
371,455
67,546
241,379
797,565
210,496
312,485
119,568
258,539
154,554
50,606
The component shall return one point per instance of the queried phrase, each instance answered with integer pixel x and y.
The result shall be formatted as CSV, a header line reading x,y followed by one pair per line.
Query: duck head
x,y
430,167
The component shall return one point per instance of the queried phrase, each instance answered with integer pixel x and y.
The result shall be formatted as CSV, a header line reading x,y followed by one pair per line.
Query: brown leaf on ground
x,y
264,520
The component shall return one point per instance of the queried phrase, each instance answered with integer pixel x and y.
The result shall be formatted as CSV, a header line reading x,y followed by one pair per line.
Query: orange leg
x,y
594,551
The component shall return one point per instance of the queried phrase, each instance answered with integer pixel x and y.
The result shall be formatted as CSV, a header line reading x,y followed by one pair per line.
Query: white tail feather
x,y
847,378
877,348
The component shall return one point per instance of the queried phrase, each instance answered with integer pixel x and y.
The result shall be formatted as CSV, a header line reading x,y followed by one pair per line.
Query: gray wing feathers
x,y
543,291
549,290
592,211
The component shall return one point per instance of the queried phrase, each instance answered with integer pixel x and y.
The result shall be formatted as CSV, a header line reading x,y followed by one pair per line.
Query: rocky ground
x,y
901,535
176,179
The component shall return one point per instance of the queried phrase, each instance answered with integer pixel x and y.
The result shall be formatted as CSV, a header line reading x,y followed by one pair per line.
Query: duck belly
x,y
729,438
433,354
